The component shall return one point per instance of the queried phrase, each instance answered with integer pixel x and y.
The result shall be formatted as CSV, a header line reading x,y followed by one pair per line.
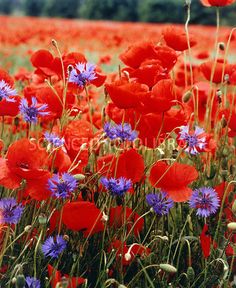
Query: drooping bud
x,y
222,46
168,268
186,97
232,226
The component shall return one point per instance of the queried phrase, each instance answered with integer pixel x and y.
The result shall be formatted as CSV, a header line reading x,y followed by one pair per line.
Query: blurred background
x,y
119,10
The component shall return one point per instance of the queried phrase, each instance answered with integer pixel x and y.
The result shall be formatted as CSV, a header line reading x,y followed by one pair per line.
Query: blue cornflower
x,y
54,247
6,92
32,282
10,211
205,200
62,187
194,140
160,203
110,131
54,139
85,75
117,187
122,131
31,113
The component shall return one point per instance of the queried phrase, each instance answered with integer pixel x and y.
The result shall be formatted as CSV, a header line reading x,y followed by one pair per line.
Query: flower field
x,y
117,165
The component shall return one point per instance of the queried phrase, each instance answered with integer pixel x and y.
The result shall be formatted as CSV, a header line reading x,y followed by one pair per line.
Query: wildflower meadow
x,y
118,153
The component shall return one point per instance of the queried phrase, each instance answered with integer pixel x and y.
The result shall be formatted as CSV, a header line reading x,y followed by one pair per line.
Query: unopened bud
x,y
20,281
168,268
42,219
127,256
54,42
27,228
226,77
232,226
66,238
70,68
187,95
223,122
122,286
191,274
222,46
79,177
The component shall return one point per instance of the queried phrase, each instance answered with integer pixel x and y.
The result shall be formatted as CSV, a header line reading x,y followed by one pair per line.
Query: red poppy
x,y
37,189
217,3
208,67
120,216
161,98
24,160
174,179
9,108
138,53
176,38
46,64
6,77
205,241
126,94
54,102
56,275
76,134
128,253
82,216
149,72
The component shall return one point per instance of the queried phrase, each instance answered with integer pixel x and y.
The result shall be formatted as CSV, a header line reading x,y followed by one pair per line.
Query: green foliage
x,y
6,6
162,11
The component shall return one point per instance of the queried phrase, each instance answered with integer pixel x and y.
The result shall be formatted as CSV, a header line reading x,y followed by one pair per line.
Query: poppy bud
x,y
223,122
234,207
226,77
54,42
127,256
168,268
42,219
27,228
79,176
66,238
188,2
224,173
224,164
190,274
186,97
121,286
222,46
232,169
232,226
20,281
70,68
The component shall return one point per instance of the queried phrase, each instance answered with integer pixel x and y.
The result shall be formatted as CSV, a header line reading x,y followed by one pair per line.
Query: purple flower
x,y
32,282
54,139
54,247
117,187
110,130
122,131
10,211
31,113
194,140
62,187
160,203
205,200
86,74
6,92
